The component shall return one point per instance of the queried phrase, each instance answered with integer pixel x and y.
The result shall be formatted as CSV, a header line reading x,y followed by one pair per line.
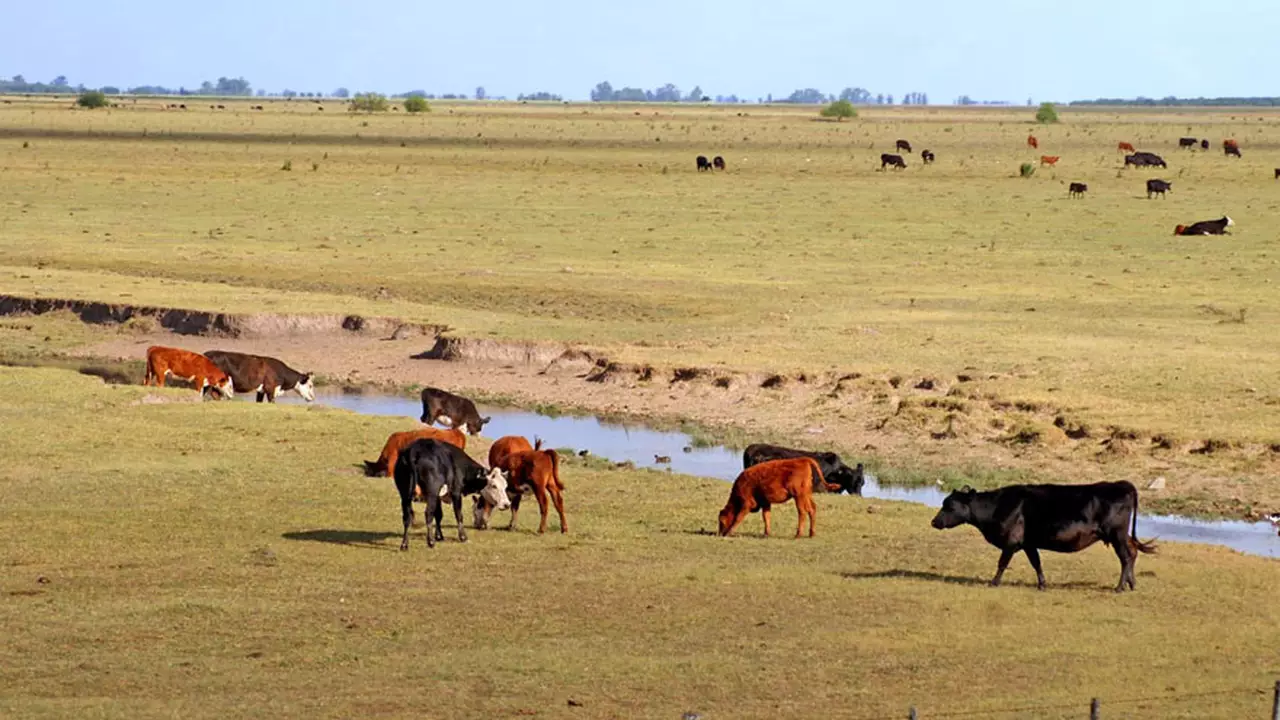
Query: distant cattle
x,y
1204,144
1125,147
1049,160
1077,189
1206,227
1188,142
265,376
195,369
833,475
441,470
1231,150
539,471
1061,518
894,160
1229,143
717,162
1277,173
459,412
926,157
1158,187
762,486
1144,159
703,163
1032,142
385,465
903,145
222,107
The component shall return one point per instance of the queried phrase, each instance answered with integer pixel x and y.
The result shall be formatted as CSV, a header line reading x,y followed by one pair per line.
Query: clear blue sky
x,y
988,49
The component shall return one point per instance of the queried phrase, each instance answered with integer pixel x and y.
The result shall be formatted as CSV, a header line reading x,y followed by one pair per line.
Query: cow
x,y
759,487
1206,227
1229,143
1277,173
1125,147
902,145
703,164
1049,160
440,470
501,449
1144,159
1077,189
396,443
717,162
1231,150
1204,144
894,160
1187,142
834,475
265,376
538,470
1158,187
192,367
439,405
1032,142
1061,518
926,157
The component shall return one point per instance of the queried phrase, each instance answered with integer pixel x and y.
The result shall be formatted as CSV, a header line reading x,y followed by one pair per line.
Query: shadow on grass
x,y
353,538
959,580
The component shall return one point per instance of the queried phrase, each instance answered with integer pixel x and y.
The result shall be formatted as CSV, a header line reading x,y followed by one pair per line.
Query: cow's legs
x,y
766,512
813,515
406,510
1034,556
558,499
515,507
457,515
540,493
1127,556
432,513
1005,557
271,395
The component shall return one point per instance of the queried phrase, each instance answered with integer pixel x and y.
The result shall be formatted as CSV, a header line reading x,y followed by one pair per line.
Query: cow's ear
x,y
966,490
484,420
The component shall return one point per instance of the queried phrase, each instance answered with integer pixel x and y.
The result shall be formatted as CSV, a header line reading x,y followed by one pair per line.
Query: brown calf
x,y
508,445
760,487
192,367
1126,147
540,470
1049,160
385,465
1032,142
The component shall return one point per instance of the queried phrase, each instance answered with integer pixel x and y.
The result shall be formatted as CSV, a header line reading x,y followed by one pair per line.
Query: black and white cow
x,y
451,410
265,376
834,471
1206,227
441,471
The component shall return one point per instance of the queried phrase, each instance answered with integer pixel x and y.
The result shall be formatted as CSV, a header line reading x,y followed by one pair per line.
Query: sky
x,y
1010,50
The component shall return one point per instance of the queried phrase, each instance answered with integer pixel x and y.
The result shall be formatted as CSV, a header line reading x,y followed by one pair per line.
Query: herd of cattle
x,y
431,465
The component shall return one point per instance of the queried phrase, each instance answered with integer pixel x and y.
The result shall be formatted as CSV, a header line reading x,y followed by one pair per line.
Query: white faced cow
x,y
265,376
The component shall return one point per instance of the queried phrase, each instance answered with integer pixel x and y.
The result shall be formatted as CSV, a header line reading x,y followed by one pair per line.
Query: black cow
x,y
461,413
1204,144
834,470
1278,173
1158,187
1144,159
1187,143
441,470
1077,190
894,160
265,376
1231,150
1206,227
1061,518
703,164
717,162
926,157
903,145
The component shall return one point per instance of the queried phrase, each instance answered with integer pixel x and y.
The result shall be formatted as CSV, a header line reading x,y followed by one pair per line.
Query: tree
x,y
342,93
965,100
1047,114
19,80
369,102
880,99
807,96
416,104
480,93
232,86
110,90
667,93
92,99
602,93
856,95
695,95
839,110
206,88
288,93
888,99
60,81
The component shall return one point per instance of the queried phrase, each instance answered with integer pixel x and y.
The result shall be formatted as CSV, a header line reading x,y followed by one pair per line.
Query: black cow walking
x,y
1158,187
263,375
1061,518
926,157
1187,143
461,413
835,473
703,163
903,145
1077,190
894,160
717,162
442,470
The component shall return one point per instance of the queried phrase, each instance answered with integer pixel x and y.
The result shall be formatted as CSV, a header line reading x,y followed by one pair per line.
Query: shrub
x,y
288,165
1027,170
369,102
416,104
1047,114
92,99
839,110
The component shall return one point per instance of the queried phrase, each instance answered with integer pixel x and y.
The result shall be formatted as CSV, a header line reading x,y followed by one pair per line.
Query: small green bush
x,y
840,110
1047,114
1027,170
416,104
369,102
92,99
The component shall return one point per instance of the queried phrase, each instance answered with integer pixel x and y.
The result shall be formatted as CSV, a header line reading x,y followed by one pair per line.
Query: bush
x,y
839,110
369,102
1047,114
416,104
1027,170
92,99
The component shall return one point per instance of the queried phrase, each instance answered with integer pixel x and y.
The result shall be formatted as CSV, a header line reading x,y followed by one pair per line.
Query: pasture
x,y
166,557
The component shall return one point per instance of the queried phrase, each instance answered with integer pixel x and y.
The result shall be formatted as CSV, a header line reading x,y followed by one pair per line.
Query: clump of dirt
x,y
1211,446
576,362
773,381
1072,428
685,374
454,349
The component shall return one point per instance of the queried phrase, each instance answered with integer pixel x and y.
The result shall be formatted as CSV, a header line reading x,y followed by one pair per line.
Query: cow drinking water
x,y
163,362
833,475
265,376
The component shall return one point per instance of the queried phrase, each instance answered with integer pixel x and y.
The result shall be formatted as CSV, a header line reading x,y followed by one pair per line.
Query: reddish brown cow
x,y
540,470
1031,141
385,465
192,367
506,446
760,487
1126,147
1049,160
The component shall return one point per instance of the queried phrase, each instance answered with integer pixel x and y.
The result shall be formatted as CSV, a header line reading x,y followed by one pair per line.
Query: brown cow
x,y
385,465
759,487
499,452
1126,147
1031,141
1050,160
192,367
540,470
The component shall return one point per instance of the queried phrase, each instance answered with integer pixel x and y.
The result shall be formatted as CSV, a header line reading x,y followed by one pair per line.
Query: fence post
x,y
1095,710
911,714
1275,703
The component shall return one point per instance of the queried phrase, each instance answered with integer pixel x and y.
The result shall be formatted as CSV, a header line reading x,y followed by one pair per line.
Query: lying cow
x,y
441,470
1206,227
762,486
195,369
537,470
265,376
894,160
385,465
1158,187
1077,189
833,475
453,410
1061,518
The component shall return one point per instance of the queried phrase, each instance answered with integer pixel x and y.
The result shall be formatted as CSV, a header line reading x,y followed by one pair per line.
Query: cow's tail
x,y
555,467
375,468
1148,547
816,470
537,443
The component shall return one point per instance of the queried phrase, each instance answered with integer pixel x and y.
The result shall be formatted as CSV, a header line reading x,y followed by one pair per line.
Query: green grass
x,y
221,559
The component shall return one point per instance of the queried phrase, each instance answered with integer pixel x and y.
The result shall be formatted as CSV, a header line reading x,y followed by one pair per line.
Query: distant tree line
x,y
224,86
668,93
605,92
1184,102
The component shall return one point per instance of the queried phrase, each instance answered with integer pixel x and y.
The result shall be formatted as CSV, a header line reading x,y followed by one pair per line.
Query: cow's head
x,y
956,509
306,387
494,493
473,427
851,479
224,388
1230,222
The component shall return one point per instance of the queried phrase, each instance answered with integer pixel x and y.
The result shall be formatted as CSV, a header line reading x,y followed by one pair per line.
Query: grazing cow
x,y
1187,142
439,405
1277,173
265,376
196,369
926,157
1049,160
385,465
1231,150
440,470
703,164
834,475
1229,143
894,160
1077,190
501,449
1158,187
1206,227
1125,147
902,145
1032,142
538,470
760,487
717,162
1144,159
1204,144
1061,518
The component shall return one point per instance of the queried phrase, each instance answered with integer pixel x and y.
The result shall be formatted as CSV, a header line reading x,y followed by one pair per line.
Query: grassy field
x,y
220,559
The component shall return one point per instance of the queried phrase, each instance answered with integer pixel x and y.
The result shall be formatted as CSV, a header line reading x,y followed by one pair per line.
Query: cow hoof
x,y
462,538
994,583
404,546
1040,587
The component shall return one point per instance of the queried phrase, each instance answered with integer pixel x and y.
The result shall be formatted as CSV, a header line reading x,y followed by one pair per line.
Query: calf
x,y
1077,190
1158,187
717,162
1187,142
439,405
196,369
396,443
1061,518
703,164
266,376
1206,227
894,160
760,487
833,475
501,449
440,470
538,470
902,145
1204,144
926,157
1049,160
1125,147
1032,142
1231,150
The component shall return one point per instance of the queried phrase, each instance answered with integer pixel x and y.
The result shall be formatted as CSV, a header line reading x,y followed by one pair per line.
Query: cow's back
x,y
1048,509
506,447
